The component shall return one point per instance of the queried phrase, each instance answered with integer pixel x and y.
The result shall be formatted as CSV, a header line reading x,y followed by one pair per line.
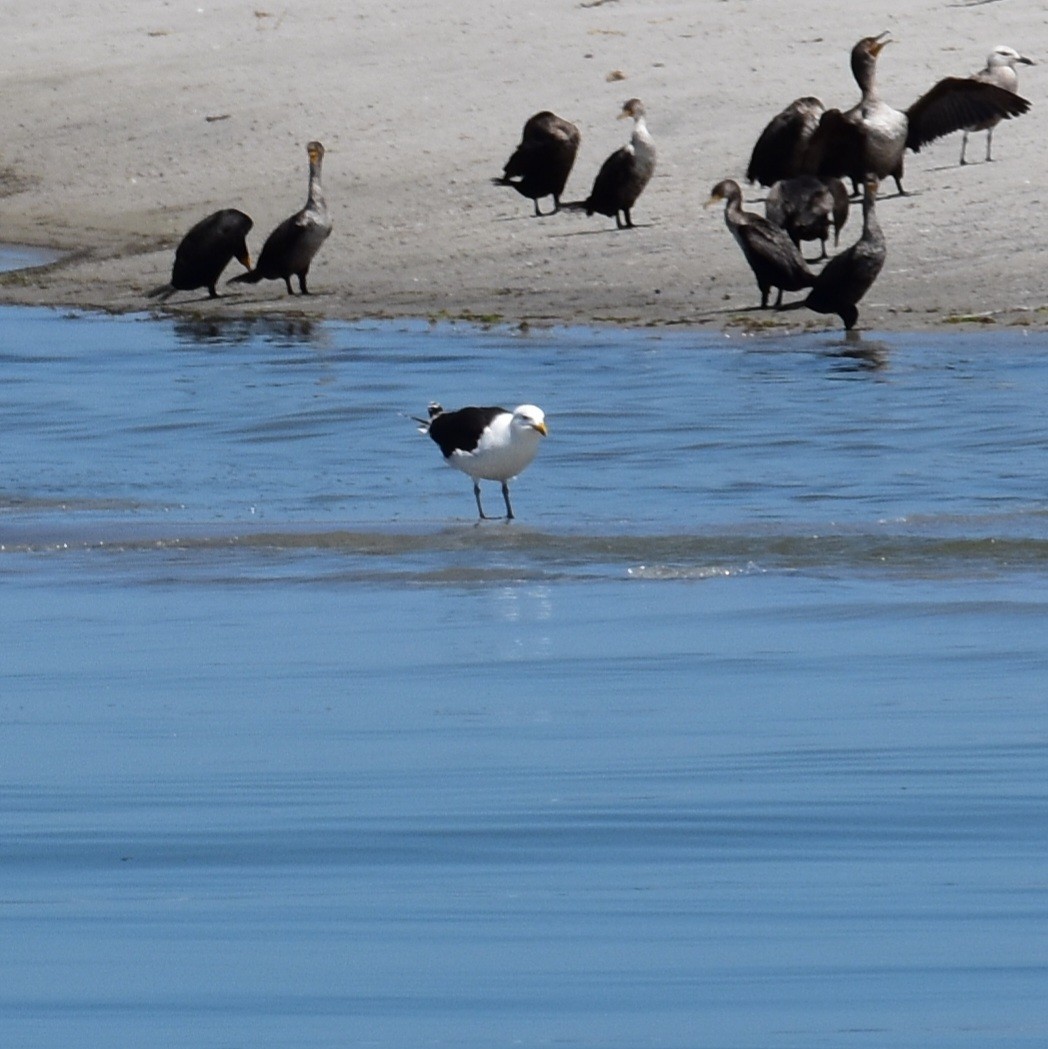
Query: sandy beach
x,y
129,120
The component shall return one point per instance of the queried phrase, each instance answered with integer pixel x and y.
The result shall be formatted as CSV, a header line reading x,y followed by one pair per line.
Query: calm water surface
x,y
737,737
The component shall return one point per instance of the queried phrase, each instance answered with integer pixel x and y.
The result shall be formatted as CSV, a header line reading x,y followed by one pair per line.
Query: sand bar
x,y
127,120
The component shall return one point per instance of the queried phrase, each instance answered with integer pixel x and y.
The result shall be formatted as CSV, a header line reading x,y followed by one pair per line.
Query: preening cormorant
x,y
775,260
805,207
626,172
871,137
540,165
290,248
205,252
1000,70
847,277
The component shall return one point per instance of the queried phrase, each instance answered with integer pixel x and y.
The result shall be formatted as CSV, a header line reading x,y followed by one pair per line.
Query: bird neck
x,y
870,226
864,69
641,140
316,193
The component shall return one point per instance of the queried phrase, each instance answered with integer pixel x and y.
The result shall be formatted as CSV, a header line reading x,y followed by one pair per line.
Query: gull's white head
x,y
1002,55
529,417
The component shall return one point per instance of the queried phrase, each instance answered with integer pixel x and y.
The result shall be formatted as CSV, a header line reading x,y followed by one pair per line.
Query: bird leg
x,y
964,145
287,281
476,493
302,283
989,141
505,495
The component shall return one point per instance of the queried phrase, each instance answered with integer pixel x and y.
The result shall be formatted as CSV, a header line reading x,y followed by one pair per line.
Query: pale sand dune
x,y
108,151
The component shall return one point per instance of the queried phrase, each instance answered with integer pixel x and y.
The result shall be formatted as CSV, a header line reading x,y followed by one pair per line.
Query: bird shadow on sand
x,y
605,230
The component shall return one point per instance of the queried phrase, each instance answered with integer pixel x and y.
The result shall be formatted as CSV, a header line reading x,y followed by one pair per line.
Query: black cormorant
x,y
805,207
780,151
847,277
871,137
205,252
774,258
540,165
290,248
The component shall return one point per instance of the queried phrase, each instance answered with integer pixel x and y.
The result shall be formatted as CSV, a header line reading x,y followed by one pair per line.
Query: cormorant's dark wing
x,y
614,173
776,153
955,103
773,246
836,148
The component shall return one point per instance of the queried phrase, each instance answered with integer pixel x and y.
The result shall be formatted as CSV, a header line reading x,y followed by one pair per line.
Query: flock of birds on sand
x,y
804,156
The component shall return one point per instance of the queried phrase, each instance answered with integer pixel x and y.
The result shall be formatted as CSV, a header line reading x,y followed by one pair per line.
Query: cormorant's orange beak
x,y
245,260
880,44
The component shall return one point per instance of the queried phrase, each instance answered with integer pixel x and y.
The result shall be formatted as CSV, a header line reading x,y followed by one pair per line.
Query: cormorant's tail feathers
x,y
250,277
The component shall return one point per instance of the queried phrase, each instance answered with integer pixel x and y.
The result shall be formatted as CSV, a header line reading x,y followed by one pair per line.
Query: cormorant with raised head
x,y
871,137
623,176
847,277
289,249
774,258
205,252
540,165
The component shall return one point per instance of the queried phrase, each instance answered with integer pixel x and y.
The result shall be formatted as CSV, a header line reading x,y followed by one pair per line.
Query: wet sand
x,y
128,121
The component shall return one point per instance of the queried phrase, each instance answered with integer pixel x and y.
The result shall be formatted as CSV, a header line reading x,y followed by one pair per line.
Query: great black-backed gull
x,y
540,165
205,252
289,249
489,444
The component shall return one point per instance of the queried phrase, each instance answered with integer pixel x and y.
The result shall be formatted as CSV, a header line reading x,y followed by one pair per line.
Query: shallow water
x,y
736,737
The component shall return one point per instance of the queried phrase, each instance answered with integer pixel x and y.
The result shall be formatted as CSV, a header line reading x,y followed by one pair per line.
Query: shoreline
x,y
101,165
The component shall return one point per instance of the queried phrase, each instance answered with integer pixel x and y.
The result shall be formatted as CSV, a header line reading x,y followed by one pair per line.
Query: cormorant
x,y
487,443
540,165
205,252
1000,70
626,172
871,137
805,206
780,151
290,248
774,258
847,277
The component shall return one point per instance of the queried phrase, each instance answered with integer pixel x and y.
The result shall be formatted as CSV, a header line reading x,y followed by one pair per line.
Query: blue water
x,y
736,737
